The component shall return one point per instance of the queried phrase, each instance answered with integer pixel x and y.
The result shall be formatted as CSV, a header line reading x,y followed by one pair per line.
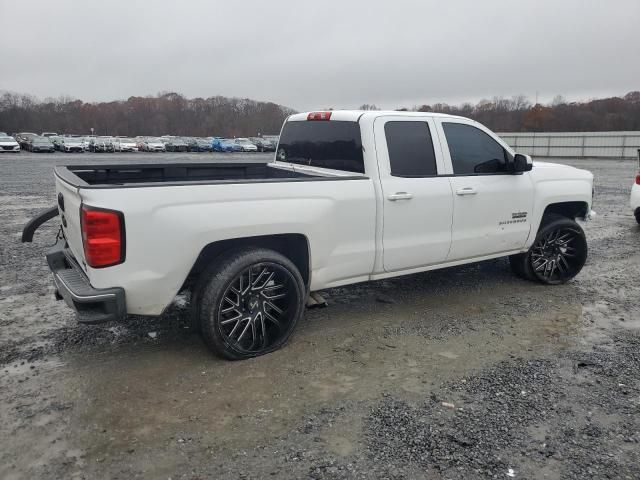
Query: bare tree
x,y
172,113
165,113
558,100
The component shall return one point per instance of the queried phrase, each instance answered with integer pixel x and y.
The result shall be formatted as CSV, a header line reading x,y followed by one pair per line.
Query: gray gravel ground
x,y
462,373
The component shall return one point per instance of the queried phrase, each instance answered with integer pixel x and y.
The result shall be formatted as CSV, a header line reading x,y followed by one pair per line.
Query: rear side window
x,y
326,144
410,149
473,151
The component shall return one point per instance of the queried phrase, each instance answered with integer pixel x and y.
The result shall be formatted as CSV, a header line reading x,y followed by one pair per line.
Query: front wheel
x,y
249,303
557,255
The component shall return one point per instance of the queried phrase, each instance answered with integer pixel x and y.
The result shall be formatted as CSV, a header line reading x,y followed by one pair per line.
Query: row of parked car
x,y
50,142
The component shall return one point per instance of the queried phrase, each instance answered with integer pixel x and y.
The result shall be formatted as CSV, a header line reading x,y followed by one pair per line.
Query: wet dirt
x,y
466,372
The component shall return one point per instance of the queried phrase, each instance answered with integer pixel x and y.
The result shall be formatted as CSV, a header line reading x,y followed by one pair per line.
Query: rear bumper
x,y
92,305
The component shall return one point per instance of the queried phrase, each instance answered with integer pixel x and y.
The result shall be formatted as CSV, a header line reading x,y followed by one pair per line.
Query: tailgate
x,y
69,201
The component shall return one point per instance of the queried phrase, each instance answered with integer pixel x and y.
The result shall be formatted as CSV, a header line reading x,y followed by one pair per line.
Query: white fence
x,y
575,144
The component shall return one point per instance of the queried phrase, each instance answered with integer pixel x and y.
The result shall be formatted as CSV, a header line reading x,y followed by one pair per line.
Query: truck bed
x,y
165,174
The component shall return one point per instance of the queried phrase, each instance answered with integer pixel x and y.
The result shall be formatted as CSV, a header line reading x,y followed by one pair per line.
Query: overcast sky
x,y
310,55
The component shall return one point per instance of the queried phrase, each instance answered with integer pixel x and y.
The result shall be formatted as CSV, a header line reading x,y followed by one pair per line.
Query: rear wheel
x,y
637,215
250,303
557,255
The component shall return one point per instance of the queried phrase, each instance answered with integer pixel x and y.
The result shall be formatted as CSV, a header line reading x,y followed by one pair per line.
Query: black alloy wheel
x,y
248,303
256,308
558,253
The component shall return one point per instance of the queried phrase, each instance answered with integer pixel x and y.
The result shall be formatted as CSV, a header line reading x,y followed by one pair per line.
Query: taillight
x,y
102,236
319,116
638,179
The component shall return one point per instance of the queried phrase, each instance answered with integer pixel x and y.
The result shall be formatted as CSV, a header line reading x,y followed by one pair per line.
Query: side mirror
x,y
522,163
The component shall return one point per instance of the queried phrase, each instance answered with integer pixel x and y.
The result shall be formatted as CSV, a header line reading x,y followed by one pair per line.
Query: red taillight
x,y
319,116
638,179
102,237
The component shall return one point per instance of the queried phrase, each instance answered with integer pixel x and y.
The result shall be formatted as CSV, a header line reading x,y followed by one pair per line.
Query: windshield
x,y
41,140
6,139
127,140
327,144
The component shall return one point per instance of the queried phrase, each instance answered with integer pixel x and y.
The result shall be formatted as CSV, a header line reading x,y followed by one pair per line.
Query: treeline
x,y
518,114
172,113
165,113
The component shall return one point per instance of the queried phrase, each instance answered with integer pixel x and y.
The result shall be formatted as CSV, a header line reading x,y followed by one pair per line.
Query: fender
x,y
35,223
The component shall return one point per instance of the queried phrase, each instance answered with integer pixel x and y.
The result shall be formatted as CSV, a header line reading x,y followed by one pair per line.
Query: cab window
x,y
326,144
473,151
410,149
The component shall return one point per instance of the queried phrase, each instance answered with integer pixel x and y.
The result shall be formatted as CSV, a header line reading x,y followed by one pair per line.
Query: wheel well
x,y
568,209
294,246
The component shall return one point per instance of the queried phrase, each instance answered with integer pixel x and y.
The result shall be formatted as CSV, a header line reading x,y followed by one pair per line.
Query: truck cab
x,y
448,189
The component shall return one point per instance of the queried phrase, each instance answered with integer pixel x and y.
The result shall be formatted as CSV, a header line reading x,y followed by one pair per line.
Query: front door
x,y
491,207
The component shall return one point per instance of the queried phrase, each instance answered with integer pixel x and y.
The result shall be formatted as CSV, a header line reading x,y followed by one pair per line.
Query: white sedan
x,y
125,145
9,144
245,145
153,145
72,144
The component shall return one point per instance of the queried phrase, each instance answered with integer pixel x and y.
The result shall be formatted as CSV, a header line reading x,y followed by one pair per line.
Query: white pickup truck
x,y
350,197
634,200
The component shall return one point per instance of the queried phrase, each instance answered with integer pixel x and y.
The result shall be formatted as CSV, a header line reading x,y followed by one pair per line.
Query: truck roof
x,y
354,115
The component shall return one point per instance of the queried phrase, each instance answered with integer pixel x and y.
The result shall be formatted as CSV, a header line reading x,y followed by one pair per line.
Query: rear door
x,y
417,203
491,207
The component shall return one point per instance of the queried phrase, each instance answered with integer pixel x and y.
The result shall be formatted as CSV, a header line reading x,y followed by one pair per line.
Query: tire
x,y
519,263
557,255
520,267
637,215
249,303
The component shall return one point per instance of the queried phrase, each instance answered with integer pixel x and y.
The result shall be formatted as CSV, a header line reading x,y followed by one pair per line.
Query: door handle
x,y
400,196
466,191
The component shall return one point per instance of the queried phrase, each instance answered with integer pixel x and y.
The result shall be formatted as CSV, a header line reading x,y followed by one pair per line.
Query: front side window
x,y
327,144
473,151
410,149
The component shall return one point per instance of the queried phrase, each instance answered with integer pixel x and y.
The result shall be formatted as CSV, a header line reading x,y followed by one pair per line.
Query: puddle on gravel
x,y
161,392
600,321
92,410
23,368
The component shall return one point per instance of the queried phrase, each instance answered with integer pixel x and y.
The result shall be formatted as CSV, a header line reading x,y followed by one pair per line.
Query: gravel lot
x,y
462,373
